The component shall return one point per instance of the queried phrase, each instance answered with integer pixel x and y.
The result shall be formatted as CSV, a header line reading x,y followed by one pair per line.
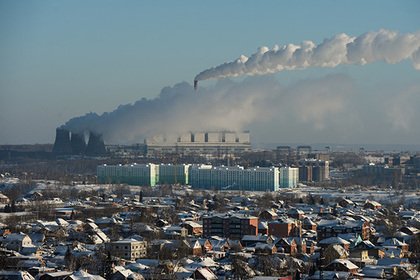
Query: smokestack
x,y
78,144
62,144
96,145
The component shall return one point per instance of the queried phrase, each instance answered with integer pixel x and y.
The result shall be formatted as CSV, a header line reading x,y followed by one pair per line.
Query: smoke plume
x,y
383,45
330,108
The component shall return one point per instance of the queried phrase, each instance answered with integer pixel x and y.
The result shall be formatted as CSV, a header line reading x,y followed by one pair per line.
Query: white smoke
x,y
226,106
383,45
326,109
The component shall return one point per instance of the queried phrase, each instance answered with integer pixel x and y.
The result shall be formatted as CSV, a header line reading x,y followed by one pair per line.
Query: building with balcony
x,y
230,226
132,174
234,178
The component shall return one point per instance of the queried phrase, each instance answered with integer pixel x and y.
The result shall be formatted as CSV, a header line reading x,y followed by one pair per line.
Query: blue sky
x,y
61,59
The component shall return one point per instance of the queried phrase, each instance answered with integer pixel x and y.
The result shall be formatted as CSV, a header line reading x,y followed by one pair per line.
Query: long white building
x,y
173,174
234,178
132,174
200,176
143,174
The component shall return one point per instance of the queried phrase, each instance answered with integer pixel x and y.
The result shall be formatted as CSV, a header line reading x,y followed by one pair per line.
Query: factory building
x,y
234,178
215,144
132,174
289,177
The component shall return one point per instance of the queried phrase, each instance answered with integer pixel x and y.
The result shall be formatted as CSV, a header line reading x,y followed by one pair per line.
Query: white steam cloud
x,y
226,106
312,110
326,109
383,45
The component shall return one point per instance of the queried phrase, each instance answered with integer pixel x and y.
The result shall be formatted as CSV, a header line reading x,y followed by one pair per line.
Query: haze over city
x,y
213,140
138,61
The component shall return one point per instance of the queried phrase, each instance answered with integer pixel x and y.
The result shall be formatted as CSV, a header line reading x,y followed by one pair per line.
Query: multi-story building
x,y
129,249
230,226
305,173
283,228
289,177
133,174
302,152
332,228
382,173
234,178
313,170
215,144
173,174
284,154
198,176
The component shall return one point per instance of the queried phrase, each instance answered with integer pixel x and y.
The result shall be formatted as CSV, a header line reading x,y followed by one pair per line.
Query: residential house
x,y
324,243
16,241
296,213
359,250
268,215
193,228
335,251
342,265
308,224
283,228
288,246
265,249
346,203
4,199
330,228
251,240
204,273
370,204
129,249
262,227
394,242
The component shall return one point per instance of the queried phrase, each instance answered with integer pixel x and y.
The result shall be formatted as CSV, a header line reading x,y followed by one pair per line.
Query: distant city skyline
x,y
63,59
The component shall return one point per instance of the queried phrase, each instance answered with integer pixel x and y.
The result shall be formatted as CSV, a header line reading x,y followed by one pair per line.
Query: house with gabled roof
x,y
268,215
371,204
16,241
335,251
324,243
251,240
342,265
204,273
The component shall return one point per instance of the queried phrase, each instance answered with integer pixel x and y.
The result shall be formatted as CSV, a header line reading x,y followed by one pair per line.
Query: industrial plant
x,y
208,143
73,143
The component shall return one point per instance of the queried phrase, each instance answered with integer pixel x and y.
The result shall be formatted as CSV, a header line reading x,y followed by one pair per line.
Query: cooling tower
x,y
96,145
62,144
78,144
